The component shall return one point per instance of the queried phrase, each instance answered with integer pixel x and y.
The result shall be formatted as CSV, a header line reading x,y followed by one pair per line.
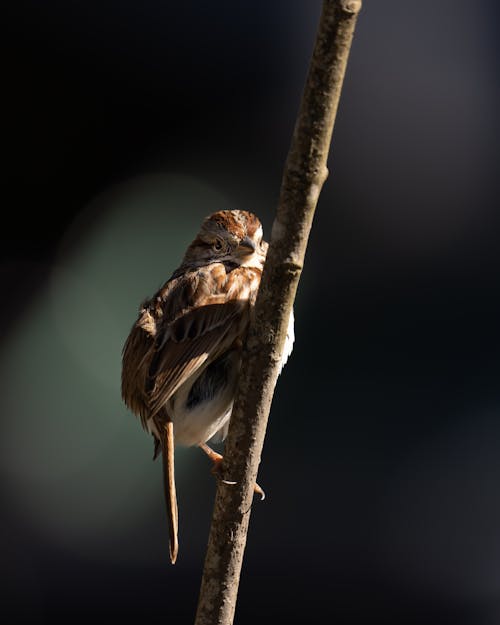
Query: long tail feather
x,y
167,445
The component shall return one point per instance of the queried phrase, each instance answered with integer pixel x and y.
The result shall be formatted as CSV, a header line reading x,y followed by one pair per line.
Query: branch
x,y
304,174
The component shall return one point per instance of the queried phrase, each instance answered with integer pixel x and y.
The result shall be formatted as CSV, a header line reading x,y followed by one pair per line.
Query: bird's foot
x,y
217,458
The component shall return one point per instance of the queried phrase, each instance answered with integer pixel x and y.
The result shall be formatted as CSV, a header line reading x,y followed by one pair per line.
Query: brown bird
x,y
182,358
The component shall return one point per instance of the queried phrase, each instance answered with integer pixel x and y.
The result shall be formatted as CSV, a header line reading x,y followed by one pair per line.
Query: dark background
x,y
124,124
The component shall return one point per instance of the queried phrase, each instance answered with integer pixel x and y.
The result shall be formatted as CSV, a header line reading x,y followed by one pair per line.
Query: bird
x,y
182,358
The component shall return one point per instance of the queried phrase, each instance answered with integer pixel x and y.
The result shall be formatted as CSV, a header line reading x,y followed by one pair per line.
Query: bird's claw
x,y
217,458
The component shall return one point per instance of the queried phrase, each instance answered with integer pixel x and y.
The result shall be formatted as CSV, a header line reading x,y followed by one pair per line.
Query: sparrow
x,y
182,358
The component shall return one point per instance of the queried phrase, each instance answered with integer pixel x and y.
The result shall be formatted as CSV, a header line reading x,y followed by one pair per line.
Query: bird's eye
x,y
217,245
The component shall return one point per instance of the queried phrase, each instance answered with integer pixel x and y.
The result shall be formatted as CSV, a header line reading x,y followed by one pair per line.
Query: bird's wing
x,y
204,330
182,348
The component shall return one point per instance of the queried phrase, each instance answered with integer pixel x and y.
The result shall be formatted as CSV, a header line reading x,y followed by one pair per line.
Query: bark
x,y
304,174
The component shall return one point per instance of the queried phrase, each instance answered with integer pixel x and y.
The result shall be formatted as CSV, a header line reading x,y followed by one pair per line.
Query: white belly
x,y
200,423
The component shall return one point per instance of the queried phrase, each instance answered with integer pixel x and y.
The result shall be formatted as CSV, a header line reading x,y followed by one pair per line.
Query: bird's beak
x,y
247,245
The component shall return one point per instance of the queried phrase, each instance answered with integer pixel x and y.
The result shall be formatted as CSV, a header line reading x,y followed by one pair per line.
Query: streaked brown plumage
x,y
182,358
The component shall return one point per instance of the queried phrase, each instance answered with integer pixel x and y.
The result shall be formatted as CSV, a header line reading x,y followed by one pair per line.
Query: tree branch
x,y
304,174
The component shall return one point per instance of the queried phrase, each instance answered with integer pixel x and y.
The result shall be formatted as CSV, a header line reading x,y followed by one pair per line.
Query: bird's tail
x,y
167,447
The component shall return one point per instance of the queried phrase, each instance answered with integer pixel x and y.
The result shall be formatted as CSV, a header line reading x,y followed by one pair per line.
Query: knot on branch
x,y
351,6
301,173
291,268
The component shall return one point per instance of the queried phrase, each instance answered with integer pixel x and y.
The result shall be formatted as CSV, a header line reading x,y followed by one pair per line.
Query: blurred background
x,y
125,123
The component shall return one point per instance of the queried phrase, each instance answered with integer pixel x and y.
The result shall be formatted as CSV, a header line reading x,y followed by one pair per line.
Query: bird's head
x,y
229,235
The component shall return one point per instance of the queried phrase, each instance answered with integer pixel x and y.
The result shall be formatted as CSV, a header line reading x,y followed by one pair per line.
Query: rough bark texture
x,y
304,174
